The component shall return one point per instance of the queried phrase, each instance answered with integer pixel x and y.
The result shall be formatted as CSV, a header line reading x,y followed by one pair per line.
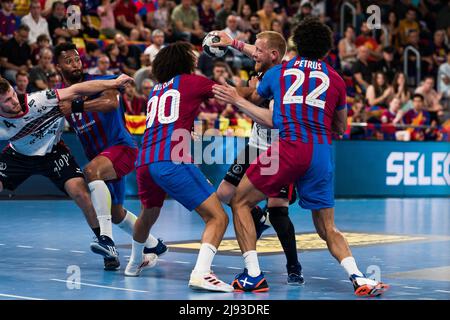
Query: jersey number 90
x,y
156,106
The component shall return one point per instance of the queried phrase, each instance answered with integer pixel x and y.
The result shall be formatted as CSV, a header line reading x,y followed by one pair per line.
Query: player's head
x,y
313,39
9,103
175,59
270,50
68,62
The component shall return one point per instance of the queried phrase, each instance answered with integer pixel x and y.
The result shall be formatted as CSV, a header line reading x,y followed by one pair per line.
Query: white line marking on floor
x,y
415,288
26,247
184,262
99,286
2,244
442,291
77,251
265,271
19,297
234,268
346,281
319,278
52,249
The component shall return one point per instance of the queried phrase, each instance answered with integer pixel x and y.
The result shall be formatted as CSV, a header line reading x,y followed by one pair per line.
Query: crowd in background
x,y
124,36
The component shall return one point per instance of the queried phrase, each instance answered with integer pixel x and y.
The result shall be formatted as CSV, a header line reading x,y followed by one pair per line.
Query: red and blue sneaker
x,y
243,282
365,287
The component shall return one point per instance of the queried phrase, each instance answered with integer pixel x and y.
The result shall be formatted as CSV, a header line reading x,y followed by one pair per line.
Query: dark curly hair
x,y
175,59
312,38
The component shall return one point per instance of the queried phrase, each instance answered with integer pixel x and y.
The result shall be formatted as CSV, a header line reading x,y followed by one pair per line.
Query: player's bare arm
x,y
226,40
92,87
339,124
108,101
230,95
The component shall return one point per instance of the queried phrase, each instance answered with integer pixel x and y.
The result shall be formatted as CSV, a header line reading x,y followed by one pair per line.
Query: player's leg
x,y
278,214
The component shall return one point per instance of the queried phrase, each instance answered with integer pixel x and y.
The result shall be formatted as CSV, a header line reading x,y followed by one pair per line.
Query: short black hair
x,y
389,49
418,95
91,46
63,47
313,39
175,59
23,27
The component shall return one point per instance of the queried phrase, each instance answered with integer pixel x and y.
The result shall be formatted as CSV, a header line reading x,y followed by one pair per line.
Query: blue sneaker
x,y
159,250
245,283
260,218
104,246
295,275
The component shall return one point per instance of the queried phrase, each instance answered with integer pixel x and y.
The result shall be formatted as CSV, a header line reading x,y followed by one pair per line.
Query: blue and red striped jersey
x,y
172,106
98,131
306,94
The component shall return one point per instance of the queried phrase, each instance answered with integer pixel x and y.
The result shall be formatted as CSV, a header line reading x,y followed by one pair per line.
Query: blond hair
x,y
275,41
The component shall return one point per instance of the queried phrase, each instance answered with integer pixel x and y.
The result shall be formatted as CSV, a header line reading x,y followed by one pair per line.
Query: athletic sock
x,y
136,252
252,263
282,224
127,225
101,200
349,264
205,258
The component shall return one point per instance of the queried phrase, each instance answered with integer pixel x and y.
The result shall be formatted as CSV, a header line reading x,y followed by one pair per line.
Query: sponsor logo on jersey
x,y
3,166
51,94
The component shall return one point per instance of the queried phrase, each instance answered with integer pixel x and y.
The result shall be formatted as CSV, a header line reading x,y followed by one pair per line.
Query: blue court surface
x,y
44,249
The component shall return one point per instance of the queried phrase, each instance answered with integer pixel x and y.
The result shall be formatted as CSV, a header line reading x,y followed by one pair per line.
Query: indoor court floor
x,y
44,249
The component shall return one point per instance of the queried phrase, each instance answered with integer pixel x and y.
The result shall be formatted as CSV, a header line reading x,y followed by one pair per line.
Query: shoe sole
x,y
101,251
295,284
235,284
370,291
147,264
200,288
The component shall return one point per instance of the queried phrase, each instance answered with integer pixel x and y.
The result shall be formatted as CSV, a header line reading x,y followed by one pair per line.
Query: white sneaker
x,y
133,269
208,281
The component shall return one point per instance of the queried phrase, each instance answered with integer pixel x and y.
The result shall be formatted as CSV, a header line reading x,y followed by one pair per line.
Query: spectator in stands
x,y
407,25
267,15
129,22
379,92
42,41
21,83
255,28
144,72
240,60
358,115
15,54
186,23
129,55
223,13
444,82
57,23
36,22
443,17
366,39
145,9
439,49
244,18
107,19
304,10
388,65
276,26
400,88
431,97
362,72
347,49
160,19
417,116
157,44
89,59
102,67
112,51
22,7
392,27
134,104
393,115
7,20
146,87
206,15
39,74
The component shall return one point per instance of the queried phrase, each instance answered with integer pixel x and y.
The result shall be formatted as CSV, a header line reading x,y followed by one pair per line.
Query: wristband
x,y
77,106
238,45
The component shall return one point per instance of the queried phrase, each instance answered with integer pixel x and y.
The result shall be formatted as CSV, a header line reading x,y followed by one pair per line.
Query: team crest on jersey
x,y
51,94
3,166
237,169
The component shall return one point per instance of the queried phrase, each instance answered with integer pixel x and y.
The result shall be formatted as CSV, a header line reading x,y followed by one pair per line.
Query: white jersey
x,y
39,129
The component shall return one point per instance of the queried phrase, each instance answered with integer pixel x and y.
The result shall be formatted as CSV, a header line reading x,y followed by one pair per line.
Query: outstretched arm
x,y
226,40
229,94
88,88
106,102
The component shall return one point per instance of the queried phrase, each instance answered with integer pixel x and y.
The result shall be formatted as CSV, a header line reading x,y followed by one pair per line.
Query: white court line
x,y
346,281
2,244
184,262
442,291
234,268
19,297
415,288
98,286
319,278
52,249
27,247
77,251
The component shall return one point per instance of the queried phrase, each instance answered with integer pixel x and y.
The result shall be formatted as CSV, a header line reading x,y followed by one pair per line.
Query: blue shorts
x,y
184,182
117,190
316,186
